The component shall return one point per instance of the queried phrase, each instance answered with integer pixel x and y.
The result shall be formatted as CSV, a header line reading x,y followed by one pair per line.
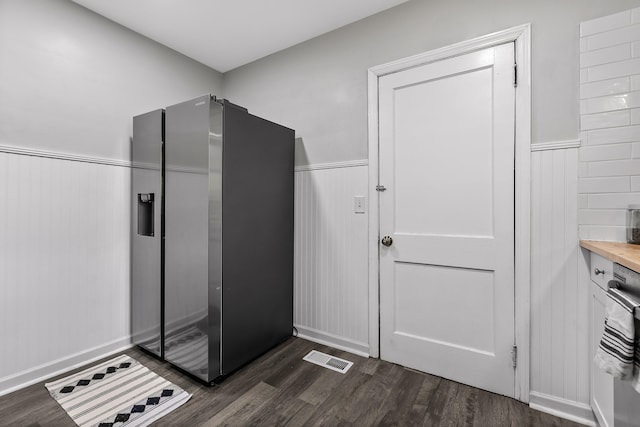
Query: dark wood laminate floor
x,y
280,388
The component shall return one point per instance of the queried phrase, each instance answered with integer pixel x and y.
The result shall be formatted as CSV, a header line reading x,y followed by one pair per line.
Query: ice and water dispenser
x,y
145,214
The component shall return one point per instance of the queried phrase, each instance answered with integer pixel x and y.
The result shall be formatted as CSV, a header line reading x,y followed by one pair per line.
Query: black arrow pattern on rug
x,y
123,417
83,383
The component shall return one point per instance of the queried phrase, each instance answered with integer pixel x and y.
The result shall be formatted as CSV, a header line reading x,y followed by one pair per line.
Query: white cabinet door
x,y
446,158
601,382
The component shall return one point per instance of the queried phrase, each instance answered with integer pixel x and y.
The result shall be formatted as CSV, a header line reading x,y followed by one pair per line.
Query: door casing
x,y
521,36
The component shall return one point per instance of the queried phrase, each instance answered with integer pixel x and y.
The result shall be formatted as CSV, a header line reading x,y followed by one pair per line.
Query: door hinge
x,y
380,188
515,75
514,355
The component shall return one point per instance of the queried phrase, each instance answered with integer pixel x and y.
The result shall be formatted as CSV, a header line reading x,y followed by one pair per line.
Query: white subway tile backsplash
x,y
583,201
604,87
635,15
614,69
614,37
618,184
616,53
614,168
605,152
614,135
608,233
605,23
584,106
584,137
605,120
583,232
613,201
609,165
602,216
582,170
613,102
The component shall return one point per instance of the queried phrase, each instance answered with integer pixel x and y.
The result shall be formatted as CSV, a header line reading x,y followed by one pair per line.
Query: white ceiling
x,y
225,34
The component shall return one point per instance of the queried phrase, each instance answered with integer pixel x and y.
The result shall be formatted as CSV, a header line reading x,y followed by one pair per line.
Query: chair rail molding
x,y
24,151
555,145
333,165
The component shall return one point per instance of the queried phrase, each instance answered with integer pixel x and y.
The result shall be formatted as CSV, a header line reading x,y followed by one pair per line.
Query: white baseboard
x,y
563,408
42,372
325,338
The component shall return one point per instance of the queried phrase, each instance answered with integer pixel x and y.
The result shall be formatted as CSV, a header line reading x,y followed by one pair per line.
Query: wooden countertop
x,y
622,253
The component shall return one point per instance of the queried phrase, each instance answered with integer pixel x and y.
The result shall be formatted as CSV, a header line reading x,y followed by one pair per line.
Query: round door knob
x,y
387,240
598,271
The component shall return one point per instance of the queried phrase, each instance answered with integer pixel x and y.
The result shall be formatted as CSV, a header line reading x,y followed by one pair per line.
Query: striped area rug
x,y
119,392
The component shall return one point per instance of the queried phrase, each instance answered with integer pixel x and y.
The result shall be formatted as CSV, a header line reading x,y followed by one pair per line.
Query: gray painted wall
x,y
319,87
70,80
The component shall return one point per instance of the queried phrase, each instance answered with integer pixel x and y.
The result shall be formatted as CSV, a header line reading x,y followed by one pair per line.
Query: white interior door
x,y
447,161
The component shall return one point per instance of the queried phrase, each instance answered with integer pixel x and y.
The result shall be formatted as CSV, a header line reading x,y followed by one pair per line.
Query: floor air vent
x,y
329,362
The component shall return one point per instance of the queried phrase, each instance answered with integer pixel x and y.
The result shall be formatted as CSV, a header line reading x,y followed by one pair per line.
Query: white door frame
x,y
521,35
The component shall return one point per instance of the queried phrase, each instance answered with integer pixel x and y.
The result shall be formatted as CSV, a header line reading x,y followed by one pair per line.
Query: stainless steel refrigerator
x,y
227,253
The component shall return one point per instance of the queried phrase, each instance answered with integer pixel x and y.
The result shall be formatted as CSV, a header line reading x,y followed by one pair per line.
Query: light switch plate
x,y
359,204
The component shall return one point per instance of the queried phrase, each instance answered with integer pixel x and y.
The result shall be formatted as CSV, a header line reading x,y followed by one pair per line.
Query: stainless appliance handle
x,y
614,284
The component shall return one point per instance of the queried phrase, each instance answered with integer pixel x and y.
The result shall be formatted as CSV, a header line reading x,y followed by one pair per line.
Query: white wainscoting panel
x,y
559,335
331,261
64,264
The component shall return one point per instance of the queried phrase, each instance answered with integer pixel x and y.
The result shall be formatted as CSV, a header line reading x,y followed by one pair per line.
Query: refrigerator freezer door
x,y
146,239
190,245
